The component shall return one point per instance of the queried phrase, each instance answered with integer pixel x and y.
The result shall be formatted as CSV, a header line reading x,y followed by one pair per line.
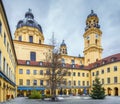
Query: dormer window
x,y
112,59
63,65
27,62
73,66
103,62
40,63
96,65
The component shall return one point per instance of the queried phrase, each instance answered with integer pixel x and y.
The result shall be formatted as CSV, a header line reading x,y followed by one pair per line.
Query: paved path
x,y
24,100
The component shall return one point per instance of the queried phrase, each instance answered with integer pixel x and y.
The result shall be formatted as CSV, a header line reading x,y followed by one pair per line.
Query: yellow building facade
x,y
80,78
29,70
8,59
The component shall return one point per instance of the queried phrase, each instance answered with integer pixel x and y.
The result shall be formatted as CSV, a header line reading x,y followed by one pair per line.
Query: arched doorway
x,y
116,91
69,91
109,91
64,91
48,92
79,92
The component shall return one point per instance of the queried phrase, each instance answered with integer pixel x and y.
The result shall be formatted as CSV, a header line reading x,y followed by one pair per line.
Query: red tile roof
x,y
104,61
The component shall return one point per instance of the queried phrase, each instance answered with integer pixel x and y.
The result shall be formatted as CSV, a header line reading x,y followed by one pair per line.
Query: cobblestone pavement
x,y
107,100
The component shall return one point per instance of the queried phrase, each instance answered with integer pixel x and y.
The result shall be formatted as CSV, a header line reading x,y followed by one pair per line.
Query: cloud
x,y
66,18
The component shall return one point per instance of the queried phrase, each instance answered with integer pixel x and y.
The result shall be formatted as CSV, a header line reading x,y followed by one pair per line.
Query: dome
x,y
92,21
92,14
29,21
63,43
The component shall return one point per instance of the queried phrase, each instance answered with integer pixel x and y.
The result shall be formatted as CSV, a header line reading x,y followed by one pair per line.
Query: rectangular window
x,y
20,81
41,82
87,74
74,74
31,39
108,80
33,56
35,82
20,71
87,83
97,72
0,27
83,74
41,72
74,83
108,70
115,68
64,82
78,74
69,73
5,39
28,82
115,80
73,62
34,72
69,83
102,72
47,72
78,83
92,73
4,62
7,70
0,58
83,83
27,71
7,46
102,81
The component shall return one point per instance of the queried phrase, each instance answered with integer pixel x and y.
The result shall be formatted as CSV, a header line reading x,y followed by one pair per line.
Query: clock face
x,y
96,35
88,37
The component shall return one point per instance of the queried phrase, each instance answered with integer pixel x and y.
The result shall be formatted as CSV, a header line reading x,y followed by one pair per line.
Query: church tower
x,y
28,30
63,48
92,39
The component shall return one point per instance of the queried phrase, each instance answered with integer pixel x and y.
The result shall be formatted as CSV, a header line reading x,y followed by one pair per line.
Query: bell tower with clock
x,y
92,39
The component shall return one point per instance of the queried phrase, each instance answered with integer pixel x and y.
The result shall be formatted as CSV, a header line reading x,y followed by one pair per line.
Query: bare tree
x,y
56,72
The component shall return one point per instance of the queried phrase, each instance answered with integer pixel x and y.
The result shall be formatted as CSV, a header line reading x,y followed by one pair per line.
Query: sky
x,y
66,19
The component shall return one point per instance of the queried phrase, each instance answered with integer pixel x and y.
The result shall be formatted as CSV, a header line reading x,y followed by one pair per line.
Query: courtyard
x,y
67,100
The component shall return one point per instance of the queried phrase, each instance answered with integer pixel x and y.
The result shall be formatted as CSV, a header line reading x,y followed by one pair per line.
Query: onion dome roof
x,y
29,21
63,43
92,14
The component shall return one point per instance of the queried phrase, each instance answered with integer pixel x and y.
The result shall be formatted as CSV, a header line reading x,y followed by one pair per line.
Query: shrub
x,y
35,95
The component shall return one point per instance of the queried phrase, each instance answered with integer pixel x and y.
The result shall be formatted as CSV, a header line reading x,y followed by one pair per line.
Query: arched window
x,y
31,39
20,38
88,42
39,41
96,41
